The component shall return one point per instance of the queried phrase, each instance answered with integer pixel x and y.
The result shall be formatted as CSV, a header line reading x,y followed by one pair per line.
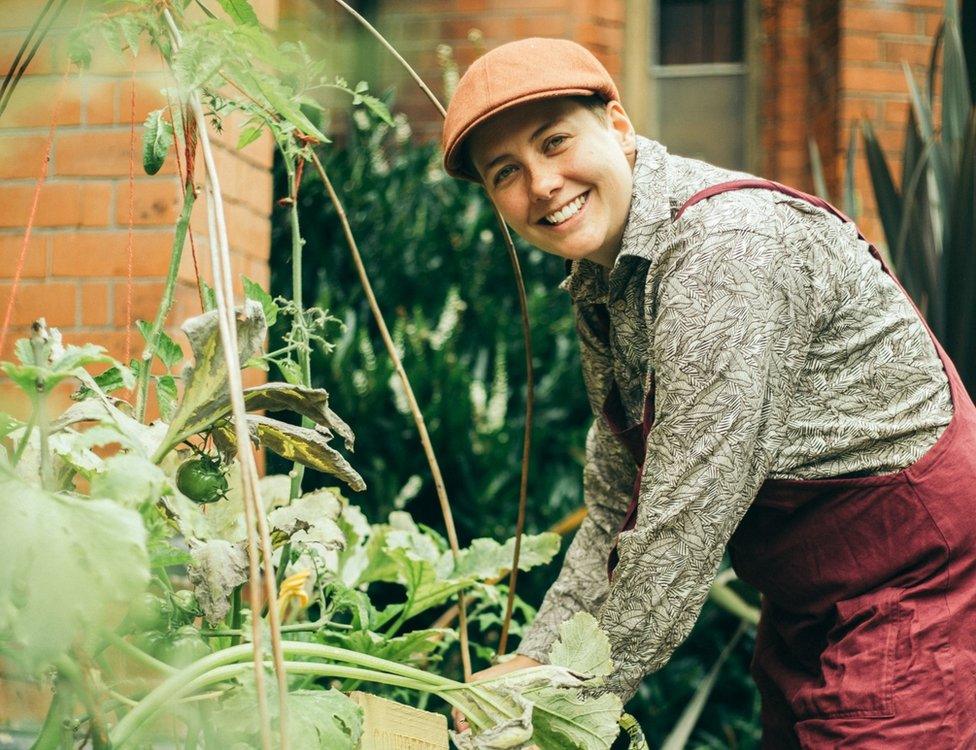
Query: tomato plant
x,y
136,540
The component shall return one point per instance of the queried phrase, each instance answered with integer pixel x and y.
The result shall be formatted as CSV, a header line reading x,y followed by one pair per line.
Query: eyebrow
x,y
538,131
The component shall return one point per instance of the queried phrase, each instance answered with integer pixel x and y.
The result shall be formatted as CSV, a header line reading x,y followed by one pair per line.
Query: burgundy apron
x,y
868,631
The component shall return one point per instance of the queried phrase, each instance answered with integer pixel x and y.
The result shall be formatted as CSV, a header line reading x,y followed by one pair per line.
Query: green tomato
x,y
147,612
201,480
148,641
184,648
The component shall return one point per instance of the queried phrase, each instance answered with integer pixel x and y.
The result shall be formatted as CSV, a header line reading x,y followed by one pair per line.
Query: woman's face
x,y
560,174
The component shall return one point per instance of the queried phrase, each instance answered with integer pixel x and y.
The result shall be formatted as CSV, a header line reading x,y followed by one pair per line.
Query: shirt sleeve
x,y
609,474
734,321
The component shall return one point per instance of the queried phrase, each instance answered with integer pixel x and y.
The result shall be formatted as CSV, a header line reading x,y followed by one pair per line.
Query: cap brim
x,y
452,160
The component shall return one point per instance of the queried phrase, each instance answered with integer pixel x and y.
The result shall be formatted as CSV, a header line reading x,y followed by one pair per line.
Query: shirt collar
x,y
649,206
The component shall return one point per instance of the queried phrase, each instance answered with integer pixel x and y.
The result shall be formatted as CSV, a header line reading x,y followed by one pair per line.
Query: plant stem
x,y
137,654
50,735
254,511
166,304
418,417
374,667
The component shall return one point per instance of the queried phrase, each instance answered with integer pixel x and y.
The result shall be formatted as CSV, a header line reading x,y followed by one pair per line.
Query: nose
x,y
545,181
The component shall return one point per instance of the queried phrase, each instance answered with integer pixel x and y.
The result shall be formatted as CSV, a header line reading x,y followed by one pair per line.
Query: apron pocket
x,y
857,665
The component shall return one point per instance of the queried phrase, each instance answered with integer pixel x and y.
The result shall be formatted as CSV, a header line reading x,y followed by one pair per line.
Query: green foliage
x,y
440,271
67,567
928,217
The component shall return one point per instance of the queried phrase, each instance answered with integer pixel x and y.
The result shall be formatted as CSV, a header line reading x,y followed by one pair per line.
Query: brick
x,y
247,232
35,259
95,304
146,296
863,48
879,21
101,102
103,154
32,103
92,254
21,156
556,26
54,301
61,204
896,112
116,62
47,59
874,79
911,52
156,202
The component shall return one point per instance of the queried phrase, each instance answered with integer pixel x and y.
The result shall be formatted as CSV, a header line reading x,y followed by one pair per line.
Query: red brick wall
x,y
75,273
828,66
473,26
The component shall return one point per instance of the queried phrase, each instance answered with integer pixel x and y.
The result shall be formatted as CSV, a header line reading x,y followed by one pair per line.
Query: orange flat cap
x,y
513,74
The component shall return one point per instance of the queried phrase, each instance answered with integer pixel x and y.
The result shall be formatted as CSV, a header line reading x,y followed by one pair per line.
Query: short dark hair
x,y
593,103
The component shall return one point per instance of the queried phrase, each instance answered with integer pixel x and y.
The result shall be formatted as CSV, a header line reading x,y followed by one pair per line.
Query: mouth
x,y
566,213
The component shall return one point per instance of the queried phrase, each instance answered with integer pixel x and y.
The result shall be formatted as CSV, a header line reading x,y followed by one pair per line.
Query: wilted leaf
x,y
167,395
306,446
67,567
308,402
217,567
207,379
311,521
511,734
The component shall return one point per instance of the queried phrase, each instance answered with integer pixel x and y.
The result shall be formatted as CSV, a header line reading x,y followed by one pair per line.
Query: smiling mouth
x,y
567,212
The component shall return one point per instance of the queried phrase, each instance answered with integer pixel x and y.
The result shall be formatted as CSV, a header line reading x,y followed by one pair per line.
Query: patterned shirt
x,y
778,348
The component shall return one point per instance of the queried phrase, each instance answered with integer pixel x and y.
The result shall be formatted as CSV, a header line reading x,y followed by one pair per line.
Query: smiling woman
x,y
560,177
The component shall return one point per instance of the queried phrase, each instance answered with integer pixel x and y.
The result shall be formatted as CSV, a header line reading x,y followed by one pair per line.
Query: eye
x,y
502,173
554,142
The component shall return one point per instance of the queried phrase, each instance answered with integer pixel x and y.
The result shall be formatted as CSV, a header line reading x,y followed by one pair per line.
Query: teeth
x,y
567,211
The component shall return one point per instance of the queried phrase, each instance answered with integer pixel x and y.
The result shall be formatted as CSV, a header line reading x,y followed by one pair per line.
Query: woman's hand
x,y
514,664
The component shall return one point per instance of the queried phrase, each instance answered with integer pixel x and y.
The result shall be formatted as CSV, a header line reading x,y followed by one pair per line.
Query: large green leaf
x,y
565,720
413,647
308,402
582,647
130,480
486,558
67,567
317,720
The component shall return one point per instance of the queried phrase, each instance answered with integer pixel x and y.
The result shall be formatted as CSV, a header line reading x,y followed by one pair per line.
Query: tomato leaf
x,y
253,290
67,567
240,12
157,139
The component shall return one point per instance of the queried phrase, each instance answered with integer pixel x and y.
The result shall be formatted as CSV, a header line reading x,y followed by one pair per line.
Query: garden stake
x,y
14,78
223,283
411,400
526,335
132,212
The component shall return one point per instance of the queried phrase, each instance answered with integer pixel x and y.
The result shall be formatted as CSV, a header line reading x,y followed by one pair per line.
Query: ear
x,y
622,128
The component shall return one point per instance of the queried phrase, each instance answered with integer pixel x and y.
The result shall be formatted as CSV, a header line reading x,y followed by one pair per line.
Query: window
x,y
700,71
